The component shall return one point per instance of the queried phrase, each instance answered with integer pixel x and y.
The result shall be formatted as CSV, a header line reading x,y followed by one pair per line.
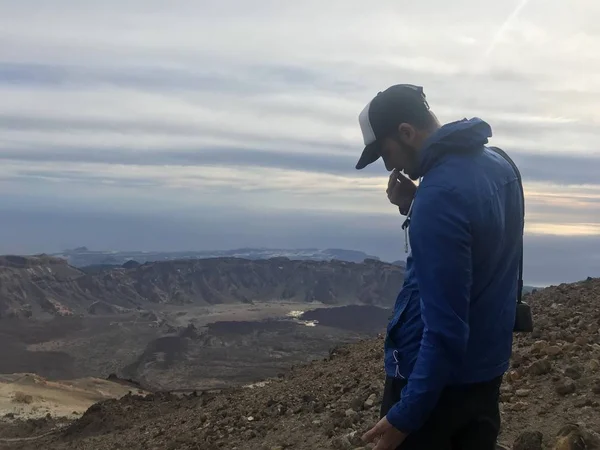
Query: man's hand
x,y
400,191
389,437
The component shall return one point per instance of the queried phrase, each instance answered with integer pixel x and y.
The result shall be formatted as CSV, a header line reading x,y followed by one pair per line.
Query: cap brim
x,y
369,155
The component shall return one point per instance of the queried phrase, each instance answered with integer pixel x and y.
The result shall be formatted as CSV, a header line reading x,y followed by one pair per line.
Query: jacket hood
x,y
463,136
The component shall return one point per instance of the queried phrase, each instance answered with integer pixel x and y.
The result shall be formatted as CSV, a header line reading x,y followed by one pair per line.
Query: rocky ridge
x,y
31,286
82,256
550,397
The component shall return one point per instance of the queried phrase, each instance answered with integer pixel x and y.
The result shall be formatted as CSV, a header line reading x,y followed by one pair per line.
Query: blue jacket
x,y
453,320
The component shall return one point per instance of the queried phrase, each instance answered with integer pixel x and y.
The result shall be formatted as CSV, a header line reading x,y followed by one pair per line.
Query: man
x,y
449,341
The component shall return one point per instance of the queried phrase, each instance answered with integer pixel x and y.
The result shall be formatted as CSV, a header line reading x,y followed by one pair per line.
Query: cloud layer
x,y
195,109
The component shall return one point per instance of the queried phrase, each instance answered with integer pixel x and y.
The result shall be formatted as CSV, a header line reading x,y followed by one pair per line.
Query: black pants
x,y
465,418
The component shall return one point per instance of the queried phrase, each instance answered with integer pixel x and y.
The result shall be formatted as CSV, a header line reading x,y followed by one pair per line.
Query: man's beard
x,y
412,169
412,157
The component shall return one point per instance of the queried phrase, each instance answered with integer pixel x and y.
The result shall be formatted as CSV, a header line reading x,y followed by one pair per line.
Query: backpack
x,y
523,316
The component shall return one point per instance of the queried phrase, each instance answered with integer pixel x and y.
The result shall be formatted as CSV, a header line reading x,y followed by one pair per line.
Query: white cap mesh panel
x,y
365,126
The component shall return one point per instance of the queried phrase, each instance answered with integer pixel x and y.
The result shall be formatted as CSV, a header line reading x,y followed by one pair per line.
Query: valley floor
x,y
181,347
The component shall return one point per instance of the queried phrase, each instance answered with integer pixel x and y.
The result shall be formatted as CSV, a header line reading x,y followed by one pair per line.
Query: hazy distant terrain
x,y
82,256
43,286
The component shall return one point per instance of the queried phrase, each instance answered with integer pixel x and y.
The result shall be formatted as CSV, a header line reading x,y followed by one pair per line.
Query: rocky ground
x,y
550,397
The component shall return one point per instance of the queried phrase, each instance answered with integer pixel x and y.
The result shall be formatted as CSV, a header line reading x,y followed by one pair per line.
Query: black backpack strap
x,y
502,153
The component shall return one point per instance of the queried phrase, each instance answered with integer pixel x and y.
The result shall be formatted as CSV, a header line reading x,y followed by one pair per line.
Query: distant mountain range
x,y
96,282
34,285
82,256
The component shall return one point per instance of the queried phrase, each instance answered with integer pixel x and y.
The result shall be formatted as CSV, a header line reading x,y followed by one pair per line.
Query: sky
x,y
204,125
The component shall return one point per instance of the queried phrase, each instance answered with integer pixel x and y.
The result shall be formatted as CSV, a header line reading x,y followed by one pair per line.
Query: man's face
x,y
399,153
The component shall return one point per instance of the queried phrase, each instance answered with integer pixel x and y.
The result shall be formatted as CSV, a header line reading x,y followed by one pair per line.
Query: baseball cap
x,y
401,103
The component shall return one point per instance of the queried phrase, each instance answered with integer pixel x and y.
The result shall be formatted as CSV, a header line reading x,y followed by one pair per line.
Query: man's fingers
x,y
398,189
374,432
402,179
404,187
380,445
398,192
370,435
392,181
384,443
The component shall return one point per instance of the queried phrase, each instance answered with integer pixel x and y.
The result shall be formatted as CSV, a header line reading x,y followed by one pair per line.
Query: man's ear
x,y
406,133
